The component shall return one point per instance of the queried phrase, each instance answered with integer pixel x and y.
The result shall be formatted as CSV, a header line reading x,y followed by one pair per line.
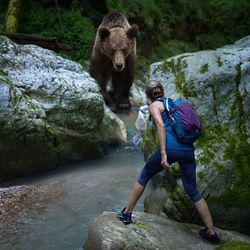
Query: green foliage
x,y
168,28
73,29
150,142
3,10
211,41
239,152
148,16
172,48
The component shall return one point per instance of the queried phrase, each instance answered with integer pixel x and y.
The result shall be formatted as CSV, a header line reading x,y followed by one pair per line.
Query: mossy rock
x,y
150,141
217,83
234,245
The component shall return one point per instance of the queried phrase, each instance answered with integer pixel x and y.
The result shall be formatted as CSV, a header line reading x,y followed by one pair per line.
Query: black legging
x,y
186,160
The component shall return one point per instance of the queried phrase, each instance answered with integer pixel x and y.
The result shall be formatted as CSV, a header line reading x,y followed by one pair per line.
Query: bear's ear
x,y
132,31
104,33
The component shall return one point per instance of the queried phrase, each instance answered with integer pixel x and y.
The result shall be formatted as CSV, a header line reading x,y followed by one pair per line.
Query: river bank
x,y
53,210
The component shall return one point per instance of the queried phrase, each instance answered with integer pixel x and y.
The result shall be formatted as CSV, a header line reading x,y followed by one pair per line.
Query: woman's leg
x,y
188,175
135,195
206,217
152,167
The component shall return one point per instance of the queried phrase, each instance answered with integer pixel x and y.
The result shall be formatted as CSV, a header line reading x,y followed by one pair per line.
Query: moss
x,y
150,141
238,151
175,170
50,135
180,80
143,226
3,74
208,140
234,245
220,168
182,203
181,62
215,111
168,66
176,67
239,101
219,62
201,175
207,156
204,68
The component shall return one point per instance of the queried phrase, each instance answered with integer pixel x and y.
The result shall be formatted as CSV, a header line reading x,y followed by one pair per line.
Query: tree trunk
x,y
13,15
45,42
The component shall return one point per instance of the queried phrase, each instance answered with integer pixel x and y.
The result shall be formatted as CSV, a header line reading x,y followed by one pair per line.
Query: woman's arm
x,y
155,111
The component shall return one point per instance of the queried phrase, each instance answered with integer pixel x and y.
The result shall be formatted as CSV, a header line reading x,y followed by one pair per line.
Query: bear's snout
x,y
118,61
119,66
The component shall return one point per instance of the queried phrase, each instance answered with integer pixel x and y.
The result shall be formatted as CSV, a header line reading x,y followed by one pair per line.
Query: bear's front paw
x,y
123,103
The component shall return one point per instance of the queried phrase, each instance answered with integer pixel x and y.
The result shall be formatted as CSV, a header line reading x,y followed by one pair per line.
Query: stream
x,y
86,189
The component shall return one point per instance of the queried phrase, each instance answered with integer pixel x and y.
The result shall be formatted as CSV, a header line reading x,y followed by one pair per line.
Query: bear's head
x,y
117,44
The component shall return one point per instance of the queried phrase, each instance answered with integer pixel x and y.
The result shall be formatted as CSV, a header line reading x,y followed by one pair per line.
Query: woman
x,y
170,151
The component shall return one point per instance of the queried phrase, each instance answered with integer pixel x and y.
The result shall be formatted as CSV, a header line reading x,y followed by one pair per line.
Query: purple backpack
x,y
184,121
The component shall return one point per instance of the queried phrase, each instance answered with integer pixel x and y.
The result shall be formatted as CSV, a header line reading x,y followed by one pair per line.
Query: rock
x,y
142,118
51,112
154,202
149,232
211,80
115,127
217,82
137,94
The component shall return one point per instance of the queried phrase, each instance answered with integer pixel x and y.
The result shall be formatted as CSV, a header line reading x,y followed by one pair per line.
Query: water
x,y
86,190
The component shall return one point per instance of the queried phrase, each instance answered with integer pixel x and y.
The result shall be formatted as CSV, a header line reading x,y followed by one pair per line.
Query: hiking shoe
x,y
126,218
211,238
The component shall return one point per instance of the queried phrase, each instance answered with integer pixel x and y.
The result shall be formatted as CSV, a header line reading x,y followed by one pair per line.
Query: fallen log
x,y
51,43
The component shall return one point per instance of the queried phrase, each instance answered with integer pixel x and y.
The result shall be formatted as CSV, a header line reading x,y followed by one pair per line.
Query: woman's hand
x,y
164,161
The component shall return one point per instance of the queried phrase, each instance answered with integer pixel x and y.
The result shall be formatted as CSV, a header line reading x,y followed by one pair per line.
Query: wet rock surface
x,y
149,232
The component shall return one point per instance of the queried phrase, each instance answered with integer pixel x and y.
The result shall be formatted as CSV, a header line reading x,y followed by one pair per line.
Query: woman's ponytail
x,y
154,90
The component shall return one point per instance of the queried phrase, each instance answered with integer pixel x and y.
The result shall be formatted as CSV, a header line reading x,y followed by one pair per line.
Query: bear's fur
x,y
113,58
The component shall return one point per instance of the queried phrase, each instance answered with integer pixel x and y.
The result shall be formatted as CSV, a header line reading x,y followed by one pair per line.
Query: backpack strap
x,y
167,102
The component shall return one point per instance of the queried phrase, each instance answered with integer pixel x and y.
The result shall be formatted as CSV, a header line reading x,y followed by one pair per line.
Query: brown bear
x,y
113,58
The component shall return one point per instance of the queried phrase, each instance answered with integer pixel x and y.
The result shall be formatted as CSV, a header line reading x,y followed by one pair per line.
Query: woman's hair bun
x,y
154,90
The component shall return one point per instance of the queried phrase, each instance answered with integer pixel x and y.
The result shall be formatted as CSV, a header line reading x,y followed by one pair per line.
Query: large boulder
x,y
150,232
51,111
217,82
137,93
